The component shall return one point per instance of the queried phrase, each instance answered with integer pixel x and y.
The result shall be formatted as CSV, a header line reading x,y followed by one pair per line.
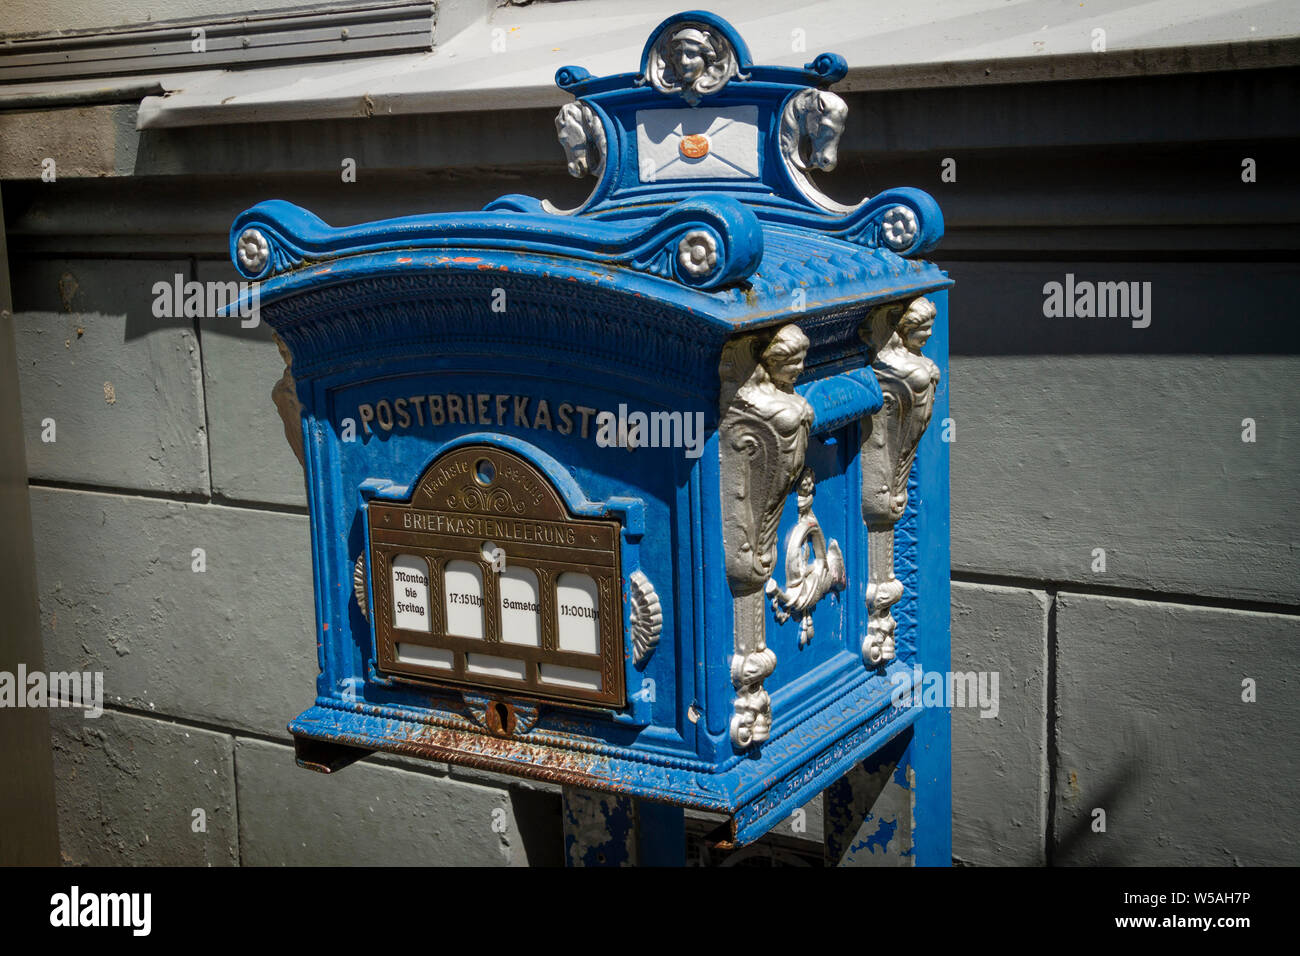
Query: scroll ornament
x,y
812,123
806,582
359,585
647,617
904,221
895,335
705,242
764,434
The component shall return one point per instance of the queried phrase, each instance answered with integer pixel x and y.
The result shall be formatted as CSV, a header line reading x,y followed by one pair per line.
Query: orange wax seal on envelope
x,y
694,146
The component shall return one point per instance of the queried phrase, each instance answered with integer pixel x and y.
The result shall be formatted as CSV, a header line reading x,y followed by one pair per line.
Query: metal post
x,y
868,815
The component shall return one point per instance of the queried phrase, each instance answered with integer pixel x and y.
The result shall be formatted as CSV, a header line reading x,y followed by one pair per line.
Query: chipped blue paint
x,y
599,829
602,311
900,776
883,833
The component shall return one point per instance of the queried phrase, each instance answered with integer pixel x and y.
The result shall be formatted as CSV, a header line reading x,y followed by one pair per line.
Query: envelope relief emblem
x,y
698,143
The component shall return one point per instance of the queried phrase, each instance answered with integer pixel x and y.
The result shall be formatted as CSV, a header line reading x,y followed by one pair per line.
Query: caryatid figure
x,y
908,381
764,434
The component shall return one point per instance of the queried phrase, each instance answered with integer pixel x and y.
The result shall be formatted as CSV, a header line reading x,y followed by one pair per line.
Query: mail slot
x,y
638,496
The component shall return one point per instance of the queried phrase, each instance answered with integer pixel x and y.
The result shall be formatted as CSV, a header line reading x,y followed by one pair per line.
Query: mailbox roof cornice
x,y
832,275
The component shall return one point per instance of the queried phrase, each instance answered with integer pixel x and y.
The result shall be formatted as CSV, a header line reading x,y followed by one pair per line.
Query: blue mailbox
x,y
636,497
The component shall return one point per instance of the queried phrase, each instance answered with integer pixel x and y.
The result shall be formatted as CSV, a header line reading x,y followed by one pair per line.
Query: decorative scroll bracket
x,y
895,333
806,582
764,433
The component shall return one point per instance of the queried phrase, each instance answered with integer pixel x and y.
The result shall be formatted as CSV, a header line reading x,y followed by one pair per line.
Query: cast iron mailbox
x,y
629,496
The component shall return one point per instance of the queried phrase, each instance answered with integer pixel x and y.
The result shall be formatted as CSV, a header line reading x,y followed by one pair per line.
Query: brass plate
x,y
469,502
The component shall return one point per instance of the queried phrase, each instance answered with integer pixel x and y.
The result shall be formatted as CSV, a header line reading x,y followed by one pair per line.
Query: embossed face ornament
x,y
692,53
785,370
784,357
915,328
762,718
807,487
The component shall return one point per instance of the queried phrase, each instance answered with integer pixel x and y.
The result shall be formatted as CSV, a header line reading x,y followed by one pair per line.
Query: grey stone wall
x,y
1121,686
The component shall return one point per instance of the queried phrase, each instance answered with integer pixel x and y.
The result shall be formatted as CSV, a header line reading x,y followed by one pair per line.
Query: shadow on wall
x,y
1079,842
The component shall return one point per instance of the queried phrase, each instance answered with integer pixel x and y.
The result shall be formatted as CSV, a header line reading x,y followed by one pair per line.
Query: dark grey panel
x,y
129,787
122,388
1154,731
1138,455
232,645
1193,308
999,751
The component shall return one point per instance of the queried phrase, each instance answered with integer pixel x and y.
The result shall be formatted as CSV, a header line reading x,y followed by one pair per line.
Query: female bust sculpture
x,y
903,353
908,380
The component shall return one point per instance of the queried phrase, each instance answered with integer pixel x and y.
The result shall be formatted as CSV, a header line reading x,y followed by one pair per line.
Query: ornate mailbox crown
x,y
608,495
698,115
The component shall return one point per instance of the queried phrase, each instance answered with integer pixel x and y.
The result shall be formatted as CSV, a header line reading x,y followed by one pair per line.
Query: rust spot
x,y
503,754
68,289
464,259
512,755
321,272
404,259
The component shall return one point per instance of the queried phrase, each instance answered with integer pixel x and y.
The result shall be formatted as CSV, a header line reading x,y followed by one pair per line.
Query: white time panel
x,y
578,609
410,593
462,583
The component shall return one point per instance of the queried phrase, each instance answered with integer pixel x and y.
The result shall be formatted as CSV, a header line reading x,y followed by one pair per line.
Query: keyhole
x,y
503,717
